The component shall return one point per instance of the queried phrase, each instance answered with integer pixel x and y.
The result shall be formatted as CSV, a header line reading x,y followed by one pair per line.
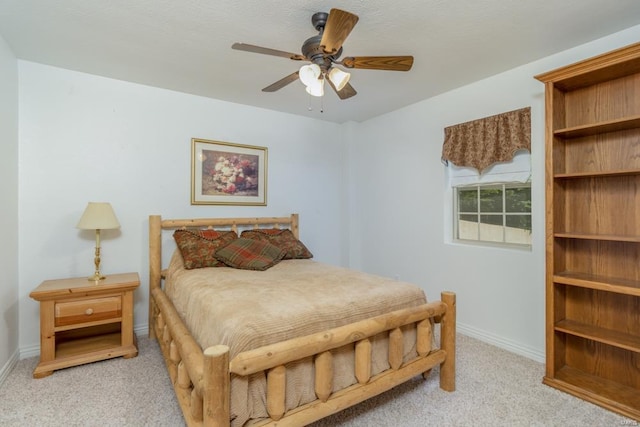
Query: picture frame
x,y
224,173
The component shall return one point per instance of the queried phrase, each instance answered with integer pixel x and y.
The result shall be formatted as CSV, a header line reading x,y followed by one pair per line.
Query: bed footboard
x,y
202,379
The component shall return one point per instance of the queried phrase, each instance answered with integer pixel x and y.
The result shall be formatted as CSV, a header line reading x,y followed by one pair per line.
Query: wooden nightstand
x,y
83,321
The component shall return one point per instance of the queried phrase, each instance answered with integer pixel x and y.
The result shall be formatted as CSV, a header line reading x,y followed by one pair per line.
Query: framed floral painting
x,y
223,173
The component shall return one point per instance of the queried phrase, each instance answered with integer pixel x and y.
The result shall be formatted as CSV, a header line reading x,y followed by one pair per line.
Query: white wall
x,y
371,196
8,208
87,138
400,220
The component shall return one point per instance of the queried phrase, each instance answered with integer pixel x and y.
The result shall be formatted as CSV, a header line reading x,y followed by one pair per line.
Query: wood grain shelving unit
x,y
593,229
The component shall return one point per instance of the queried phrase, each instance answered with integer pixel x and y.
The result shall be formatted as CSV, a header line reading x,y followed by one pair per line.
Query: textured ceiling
x,y
186,45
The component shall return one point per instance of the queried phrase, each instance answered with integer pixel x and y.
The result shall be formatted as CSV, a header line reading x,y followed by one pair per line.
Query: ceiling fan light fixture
x,y
322,52
316,88
339,78
309,74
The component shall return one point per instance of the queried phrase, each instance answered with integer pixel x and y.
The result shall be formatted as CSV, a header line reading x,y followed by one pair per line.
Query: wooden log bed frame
x,y
201,378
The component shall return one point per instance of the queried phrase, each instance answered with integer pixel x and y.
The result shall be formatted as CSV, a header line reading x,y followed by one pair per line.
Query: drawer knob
x,y
89,311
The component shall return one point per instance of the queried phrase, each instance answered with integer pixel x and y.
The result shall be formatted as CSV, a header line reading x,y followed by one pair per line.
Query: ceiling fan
x,y
323,51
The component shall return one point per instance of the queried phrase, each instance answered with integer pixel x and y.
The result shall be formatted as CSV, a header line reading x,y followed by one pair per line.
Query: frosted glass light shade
x,y
316,88
339,78
98,216
309,74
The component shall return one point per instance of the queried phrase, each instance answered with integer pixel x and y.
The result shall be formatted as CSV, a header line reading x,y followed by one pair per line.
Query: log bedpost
x,y
295,225
217,386
424,332
195,406
324,375
363,360
396,348
448,342
276,387
155,265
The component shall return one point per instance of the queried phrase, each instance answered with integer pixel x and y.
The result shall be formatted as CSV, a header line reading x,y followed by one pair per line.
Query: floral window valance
x,y
483,142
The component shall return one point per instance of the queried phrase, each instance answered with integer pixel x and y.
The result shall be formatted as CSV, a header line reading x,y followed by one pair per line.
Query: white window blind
x,y
516,170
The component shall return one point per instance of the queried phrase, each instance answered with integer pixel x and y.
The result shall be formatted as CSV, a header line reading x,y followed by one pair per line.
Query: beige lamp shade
x,y
98,216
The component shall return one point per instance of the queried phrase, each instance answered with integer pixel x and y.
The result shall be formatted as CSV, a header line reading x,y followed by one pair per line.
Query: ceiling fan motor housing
x,y
312,50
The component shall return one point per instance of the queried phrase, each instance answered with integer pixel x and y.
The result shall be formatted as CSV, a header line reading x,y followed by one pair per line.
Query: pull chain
x,y
310,99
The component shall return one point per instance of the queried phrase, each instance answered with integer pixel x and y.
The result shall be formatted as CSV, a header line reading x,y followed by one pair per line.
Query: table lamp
x,y
98,216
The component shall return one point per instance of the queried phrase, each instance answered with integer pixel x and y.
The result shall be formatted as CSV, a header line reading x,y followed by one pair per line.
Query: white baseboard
x,y
8,367
29,351
141,329
500,342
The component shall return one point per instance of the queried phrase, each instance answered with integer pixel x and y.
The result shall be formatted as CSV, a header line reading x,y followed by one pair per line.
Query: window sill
x,y
491,245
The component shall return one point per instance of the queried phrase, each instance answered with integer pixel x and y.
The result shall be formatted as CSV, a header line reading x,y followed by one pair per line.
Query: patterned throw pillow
x,y
208,233
198,251
250,254
294,248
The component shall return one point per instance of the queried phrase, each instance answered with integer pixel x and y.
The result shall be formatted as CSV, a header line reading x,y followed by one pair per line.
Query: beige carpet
x,y
494,388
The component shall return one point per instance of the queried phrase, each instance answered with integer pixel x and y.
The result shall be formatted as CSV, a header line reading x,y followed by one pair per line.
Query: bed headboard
x,y
157,225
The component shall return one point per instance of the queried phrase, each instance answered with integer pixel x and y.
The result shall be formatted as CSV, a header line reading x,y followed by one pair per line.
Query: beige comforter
x,y
247,309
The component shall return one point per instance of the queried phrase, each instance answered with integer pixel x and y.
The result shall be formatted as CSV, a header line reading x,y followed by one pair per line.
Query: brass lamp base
x,y
96,260
96,277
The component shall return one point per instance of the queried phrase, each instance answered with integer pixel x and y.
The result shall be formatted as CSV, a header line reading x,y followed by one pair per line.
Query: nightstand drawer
x,y
88,310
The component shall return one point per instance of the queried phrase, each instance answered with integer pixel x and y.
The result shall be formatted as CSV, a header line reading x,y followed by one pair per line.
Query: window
x,y
489,173
498,213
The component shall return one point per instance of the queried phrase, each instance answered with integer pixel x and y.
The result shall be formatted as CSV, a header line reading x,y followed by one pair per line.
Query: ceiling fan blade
x,y
267,51
338,26
391,63
347,91
281,83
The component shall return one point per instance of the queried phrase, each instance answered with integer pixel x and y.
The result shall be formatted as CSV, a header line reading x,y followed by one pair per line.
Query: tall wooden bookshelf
x,y
593,229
